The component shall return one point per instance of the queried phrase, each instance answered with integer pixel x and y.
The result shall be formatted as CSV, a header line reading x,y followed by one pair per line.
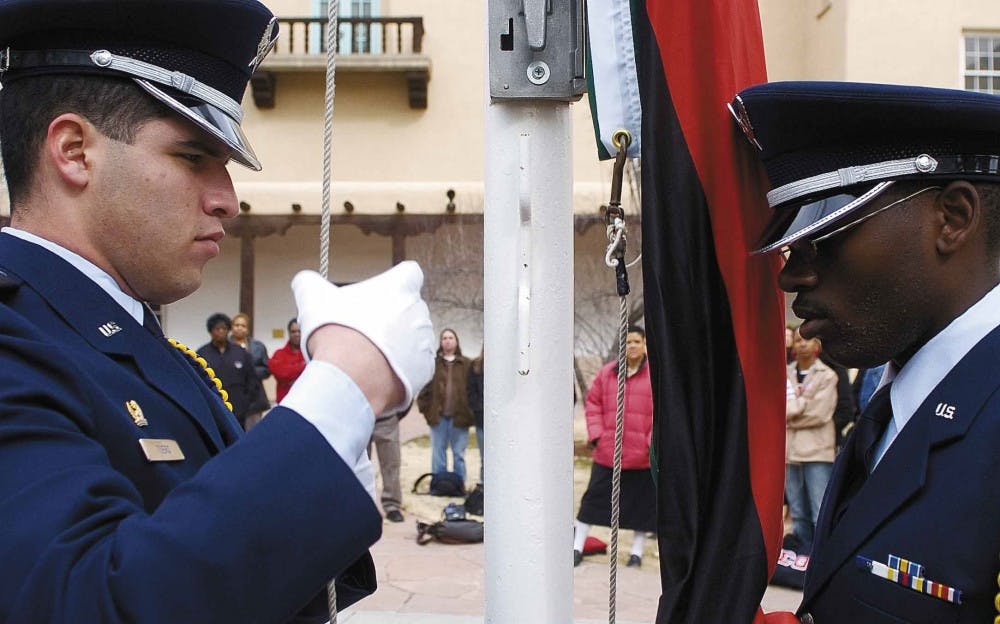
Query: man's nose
x,y
797,274
219,197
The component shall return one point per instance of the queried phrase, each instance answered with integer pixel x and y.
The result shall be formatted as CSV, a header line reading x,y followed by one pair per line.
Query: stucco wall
x,y
805,39
914,41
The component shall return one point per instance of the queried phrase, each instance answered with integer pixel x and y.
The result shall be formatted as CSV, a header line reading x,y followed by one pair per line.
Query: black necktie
x,y
867,433
871,426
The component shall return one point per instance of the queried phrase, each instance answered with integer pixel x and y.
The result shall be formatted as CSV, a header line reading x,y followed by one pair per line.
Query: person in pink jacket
x,y
638,491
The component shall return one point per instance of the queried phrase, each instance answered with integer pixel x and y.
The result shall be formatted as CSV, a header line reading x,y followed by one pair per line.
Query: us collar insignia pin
x,y
136,413
109,329
267,41
945,410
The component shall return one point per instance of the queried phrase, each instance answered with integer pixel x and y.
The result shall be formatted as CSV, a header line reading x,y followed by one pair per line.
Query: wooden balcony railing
x,y
356,35
364,44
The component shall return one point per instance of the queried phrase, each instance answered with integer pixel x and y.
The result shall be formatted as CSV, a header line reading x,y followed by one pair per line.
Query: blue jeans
x,y
805,484
444,435
480,441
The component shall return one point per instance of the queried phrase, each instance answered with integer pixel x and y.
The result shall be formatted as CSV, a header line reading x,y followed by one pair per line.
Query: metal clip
x,y
614,257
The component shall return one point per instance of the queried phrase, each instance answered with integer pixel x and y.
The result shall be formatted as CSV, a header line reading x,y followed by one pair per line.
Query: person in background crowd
x,y
233,366
866,383
288,362
385,438
845,412
789,342
475,386
444,402
809,435
240,334
638,490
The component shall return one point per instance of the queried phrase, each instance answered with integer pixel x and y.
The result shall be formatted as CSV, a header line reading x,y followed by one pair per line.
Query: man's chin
x,y
167,294
850,358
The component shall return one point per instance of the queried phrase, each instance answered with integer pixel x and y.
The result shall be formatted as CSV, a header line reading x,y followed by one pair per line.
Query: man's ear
x,y
959,214
68,146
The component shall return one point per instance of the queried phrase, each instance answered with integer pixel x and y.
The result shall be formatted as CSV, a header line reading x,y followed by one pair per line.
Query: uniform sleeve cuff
x,y
329,399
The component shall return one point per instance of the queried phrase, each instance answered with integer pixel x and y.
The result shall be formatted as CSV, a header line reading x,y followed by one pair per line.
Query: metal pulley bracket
x,y
537,49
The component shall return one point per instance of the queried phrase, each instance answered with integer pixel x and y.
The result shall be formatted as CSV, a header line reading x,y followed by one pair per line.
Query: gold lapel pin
x,y
136,413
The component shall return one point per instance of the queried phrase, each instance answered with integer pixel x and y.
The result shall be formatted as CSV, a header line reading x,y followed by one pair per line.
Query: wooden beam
x,y
246,275
416,88
260,226
398,247
262,86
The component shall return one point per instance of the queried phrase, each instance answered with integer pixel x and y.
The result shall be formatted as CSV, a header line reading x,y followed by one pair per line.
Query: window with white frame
x,y
982,62
361,38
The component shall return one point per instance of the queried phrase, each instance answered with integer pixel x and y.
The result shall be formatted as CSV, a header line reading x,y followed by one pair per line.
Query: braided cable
x,y
332,10
616,474
331,40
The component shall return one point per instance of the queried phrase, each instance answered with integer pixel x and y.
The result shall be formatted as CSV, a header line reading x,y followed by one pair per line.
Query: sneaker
x,y
394,516
634,561
577,558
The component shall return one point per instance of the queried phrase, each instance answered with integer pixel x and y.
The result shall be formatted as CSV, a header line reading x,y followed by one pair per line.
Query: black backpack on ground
x,y
442,484
455,528
474,502
450,532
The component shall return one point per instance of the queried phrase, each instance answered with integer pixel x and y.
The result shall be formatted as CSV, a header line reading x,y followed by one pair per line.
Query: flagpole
x,y
535,55
528,312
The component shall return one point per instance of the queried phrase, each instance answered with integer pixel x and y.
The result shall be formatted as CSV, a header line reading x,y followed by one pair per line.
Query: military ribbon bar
x,y
904,565
910,574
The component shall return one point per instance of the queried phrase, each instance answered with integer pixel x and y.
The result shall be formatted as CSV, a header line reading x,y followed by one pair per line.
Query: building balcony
x,y
364,45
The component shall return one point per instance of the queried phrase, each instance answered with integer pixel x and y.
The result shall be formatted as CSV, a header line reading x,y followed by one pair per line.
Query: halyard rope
x,y
332,10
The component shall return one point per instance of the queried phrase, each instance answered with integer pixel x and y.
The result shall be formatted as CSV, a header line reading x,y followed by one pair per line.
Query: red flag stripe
x,y
710,50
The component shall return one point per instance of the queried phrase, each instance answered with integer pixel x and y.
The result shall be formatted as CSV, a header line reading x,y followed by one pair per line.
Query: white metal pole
x,y
528,308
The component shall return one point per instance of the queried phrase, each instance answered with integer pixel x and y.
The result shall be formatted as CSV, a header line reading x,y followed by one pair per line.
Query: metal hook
x,y
616,250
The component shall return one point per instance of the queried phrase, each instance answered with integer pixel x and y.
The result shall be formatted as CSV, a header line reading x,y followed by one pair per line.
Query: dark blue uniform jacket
x,y
934,499
243,529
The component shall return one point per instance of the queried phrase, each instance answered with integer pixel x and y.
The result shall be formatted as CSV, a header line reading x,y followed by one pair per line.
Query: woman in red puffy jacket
x,y
637,509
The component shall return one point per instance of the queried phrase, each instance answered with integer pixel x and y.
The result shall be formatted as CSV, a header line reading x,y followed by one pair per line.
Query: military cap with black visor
x,y
171,48
830,148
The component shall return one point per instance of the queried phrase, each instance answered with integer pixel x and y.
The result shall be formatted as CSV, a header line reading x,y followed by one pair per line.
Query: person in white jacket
x,y
811,399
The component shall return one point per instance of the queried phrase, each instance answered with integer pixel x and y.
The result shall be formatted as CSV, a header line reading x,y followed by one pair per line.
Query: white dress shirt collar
x,y
96,274
928,367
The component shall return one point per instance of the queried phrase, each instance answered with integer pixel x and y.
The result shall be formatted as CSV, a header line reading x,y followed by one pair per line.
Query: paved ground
x,y
444,584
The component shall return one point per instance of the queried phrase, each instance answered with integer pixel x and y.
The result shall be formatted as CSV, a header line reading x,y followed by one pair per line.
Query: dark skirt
x,y
637,510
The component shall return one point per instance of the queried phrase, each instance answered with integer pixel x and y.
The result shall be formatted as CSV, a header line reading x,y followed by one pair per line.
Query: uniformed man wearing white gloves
x,y
128,492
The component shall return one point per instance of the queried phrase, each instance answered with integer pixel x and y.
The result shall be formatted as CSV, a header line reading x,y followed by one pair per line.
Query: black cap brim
x,y
796,222
211,120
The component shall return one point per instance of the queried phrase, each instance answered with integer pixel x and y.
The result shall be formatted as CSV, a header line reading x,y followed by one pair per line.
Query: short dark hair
x,y
294,320
989,199
637,329
217,318
116,106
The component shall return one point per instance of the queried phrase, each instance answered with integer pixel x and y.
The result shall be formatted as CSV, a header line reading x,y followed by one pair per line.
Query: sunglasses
x,y
808,250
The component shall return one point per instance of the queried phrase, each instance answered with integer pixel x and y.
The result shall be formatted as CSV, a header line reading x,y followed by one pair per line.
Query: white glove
x,y
386,308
